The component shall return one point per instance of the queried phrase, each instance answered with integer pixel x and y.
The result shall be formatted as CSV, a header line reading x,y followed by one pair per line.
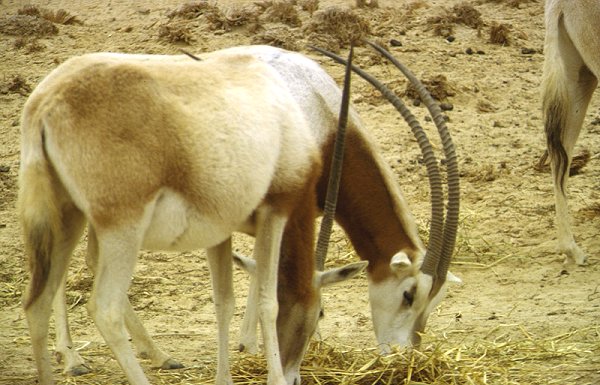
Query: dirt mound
x,y
337,27
26,25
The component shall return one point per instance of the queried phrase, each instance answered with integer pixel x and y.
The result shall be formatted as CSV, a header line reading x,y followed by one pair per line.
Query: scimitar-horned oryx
x,y
161,152
383,231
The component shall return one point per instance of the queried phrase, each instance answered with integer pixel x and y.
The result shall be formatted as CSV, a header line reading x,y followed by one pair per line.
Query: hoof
x,y
248,348
574,254
79,370
582,261
171,364
579,260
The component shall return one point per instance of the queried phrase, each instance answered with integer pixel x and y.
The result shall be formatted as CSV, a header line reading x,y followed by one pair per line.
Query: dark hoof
x,y
79,370
242,348
171,364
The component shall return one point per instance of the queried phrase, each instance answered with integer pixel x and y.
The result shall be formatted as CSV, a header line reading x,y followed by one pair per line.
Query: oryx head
x,y
402,300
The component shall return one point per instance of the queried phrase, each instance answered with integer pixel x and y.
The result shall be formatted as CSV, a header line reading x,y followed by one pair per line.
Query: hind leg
x,y
108,303
566,76
38,313
64,351
580,92
144,344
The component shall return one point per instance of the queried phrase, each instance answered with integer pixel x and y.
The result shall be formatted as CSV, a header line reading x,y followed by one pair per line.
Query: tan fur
x,y
165,153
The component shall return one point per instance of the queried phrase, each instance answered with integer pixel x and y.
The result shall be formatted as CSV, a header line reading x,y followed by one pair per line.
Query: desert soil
x,y
515,285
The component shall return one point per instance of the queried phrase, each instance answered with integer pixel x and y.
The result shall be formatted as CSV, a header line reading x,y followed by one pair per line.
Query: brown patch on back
x,y
84,127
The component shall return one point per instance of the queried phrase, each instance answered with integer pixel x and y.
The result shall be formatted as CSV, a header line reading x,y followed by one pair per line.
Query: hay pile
x,y
502,361
511,358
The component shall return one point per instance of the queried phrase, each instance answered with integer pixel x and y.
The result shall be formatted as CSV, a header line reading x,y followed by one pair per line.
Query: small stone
x,y
446,106
395,43
528,51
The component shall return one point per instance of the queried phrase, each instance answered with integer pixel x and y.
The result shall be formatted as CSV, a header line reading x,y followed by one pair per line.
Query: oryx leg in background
x,y
571,72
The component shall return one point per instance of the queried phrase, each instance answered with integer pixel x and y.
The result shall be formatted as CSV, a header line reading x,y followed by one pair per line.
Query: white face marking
x,y
400,305
393,318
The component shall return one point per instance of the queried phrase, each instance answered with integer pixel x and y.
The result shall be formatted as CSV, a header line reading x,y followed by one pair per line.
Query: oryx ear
x,y
453,278
400,262
245,263
329,277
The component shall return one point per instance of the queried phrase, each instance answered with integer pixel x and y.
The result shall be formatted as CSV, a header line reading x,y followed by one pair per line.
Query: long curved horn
x,y
451,225
335,174
436,229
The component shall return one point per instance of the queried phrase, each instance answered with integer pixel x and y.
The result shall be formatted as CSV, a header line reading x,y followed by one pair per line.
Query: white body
x,y
571,73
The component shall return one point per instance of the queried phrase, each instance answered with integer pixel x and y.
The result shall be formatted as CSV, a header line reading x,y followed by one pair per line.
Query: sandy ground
x,y
515,288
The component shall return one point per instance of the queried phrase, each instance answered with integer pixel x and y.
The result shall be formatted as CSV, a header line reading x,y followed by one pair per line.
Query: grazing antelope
x,y
162,152
571,73
403,289
370,208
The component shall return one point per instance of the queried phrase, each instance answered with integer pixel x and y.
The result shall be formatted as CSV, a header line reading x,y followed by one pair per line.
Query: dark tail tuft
x,y
40,243
40,221
554,126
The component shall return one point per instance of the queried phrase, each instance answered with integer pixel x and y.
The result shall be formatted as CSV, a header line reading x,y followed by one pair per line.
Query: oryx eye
x,y
408,297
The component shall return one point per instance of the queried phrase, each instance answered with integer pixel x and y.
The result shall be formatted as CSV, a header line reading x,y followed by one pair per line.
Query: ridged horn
x,y
435,181
335,174
453,180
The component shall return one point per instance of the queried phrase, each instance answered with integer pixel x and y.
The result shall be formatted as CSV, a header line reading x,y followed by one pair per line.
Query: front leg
x,y
220,264
270,227
144,344
248,337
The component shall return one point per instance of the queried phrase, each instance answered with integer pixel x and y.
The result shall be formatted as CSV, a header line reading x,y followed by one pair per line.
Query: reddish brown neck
x,y
297,262
367,210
